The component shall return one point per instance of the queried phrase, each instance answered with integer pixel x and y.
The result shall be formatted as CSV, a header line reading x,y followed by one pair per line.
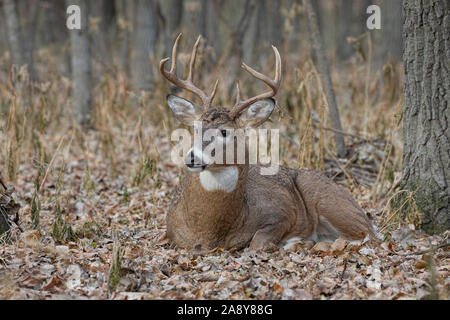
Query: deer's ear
x,y
184,110
257,113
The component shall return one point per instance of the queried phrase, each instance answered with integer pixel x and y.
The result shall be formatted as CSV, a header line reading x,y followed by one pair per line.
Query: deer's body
x,y
264,209
234,205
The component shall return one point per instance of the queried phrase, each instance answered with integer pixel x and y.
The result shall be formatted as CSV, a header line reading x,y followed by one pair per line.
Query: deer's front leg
x,y
268,234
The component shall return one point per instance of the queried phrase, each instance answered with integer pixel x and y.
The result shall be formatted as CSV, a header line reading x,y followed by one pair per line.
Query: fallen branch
x,y
418,253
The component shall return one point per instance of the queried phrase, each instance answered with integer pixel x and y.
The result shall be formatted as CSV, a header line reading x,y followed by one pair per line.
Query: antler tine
x,y
193,57
238,92
274,84
173,68
186,84
213,93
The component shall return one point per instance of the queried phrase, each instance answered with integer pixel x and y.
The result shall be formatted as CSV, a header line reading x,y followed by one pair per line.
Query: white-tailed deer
x,y
233,205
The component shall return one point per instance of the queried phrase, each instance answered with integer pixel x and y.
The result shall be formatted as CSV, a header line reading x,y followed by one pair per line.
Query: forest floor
x,y
94,203
81,261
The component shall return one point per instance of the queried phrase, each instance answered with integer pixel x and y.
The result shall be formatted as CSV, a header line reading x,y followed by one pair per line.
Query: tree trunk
x,y
14,33
390,45
426,117
260,34
31,8
327,85
172,11
81,66
3,39
275,23
100,13
345,21
145,33
125,10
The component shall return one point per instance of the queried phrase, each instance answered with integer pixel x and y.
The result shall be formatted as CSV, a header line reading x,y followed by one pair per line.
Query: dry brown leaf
x,y
338,246
51,284
30,238
321,248
277,287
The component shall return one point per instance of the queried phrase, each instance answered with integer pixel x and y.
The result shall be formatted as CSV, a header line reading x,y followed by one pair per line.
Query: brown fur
x,y
261,209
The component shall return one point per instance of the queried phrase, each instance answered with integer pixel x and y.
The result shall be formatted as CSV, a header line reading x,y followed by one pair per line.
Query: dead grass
x,y
76,186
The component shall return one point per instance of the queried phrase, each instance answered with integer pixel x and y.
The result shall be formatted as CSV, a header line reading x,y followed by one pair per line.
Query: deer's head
x,y
245,113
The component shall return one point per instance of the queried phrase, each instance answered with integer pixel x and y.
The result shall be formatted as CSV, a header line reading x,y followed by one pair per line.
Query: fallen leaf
x,y
30,238
338,246
51,284
296,294
277,287
321,247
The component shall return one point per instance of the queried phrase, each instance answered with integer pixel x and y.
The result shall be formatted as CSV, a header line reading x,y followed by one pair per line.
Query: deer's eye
x,y
224,133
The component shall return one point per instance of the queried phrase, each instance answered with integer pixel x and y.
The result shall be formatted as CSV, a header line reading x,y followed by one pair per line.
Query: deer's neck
x,y
214,201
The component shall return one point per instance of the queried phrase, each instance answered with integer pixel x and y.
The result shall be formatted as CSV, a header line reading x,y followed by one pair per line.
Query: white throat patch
x,y
224,179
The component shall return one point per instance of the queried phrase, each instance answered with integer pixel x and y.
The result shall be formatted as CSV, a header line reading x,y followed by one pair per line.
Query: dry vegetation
x,y
94,201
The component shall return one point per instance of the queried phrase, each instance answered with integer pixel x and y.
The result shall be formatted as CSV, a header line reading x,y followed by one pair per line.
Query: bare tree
x,y
345,20
145,35
14,33
426,118
234,51
324,71
81,66
31,13
172,12
274,23
124,18
101,15
390,43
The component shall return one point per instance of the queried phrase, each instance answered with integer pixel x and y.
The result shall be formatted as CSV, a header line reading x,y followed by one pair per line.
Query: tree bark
x,y
426,117
145,35
81,66
324,71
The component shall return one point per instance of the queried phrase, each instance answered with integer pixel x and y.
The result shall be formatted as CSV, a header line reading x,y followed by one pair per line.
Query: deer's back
x,y
305,198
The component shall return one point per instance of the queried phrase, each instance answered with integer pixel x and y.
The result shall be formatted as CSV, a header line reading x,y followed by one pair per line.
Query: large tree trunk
x,y
322,65
145,35
426,117
81,66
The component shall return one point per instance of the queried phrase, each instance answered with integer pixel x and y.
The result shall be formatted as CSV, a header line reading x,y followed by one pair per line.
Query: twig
x,y
349,134
3,185
425,251
51,163
345,268
342,169
350,178
291,140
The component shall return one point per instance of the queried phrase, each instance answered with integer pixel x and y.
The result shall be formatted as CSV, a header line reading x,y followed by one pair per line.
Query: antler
x,y
273,84
186,84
